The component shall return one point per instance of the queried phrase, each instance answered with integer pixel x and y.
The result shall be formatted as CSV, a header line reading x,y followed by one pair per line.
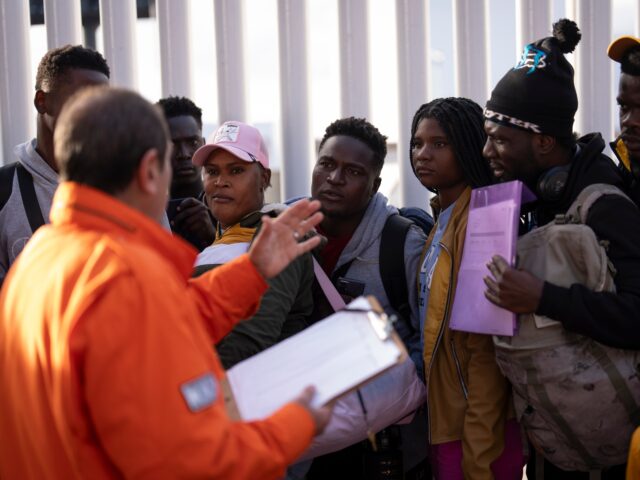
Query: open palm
x,y
278,244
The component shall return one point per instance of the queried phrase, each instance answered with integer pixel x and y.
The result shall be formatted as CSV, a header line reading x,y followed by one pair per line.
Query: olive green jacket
x,y
283,311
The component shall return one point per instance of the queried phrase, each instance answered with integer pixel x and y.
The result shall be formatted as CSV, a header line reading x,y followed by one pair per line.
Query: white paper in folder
x,y
335,355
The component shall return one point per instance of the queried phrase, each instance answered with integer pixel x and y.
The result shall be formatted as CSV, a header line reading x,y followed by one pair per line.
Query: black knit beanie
x,y
538,94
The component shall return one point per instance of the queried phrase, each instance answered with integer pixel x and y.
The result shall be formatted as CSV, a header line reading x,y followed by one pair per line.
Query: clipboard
x,y
336,355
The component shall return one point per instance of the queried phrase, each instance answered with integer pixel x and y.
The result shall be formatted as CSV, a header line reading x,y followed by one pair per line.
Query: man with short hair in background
x,y
188,216
28,184
345,180
626,51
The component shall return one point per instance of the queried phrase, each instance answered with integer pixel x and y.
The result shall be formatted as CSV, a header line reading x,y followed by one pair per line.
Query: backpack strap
x,y
7,173
625,395
29,199
392,270
579,209
419,217
550,407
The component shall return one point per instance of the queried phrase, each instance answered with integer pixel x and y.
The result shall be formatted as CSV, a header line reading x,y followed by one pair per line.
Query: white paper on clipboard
x,y
335,355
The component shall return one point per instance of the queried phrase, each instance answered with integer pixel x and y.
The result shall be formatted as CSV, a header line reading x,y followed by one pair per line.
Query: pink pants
x,y
446,458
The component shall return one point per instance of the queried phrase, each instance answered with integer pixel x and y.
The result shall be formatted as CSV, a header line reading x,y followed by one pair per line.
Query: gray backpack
x,y
578,400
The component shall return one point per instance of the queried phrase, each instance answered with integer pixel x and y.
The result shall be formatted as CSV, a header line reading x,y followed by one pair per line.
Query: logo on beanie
x,y
531,58
227,133
510,121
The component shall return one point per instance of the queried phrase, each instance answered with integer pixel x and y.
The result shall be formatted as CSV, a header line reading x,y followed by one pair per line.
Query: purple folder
x,y
492,229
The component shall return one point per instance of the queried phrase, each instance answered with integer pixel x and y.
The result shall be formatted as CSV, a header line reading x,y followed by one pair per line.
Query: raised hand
x,y
278,242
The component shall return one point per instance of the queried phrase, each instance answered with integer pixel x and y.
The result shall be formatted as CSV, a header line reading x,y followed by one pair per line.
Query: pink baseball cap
x,y
237,138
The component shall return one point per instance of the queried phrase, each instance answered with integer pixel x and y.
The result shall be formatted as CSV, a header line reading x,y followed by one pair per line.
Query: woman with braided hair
x,y
468,398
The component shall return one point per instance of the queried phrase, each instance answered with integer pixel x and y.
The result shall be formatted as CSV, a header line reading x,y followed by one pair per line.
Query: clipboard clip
x,y
382,324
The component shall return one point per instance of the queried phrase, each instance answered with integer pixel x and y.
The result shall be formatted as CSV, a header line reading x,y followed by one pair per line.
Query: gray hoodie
x,y
364,247
15,230
14,225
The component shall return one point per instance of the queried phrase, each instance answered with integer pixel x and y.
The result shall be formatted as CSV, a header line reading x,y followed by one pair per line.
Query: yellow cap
x,y
619,46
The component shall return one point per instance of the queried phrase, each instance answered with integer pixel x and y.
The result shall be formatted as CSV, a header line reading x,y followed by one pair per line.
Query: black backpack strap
x,y
7,173
29,199
392,271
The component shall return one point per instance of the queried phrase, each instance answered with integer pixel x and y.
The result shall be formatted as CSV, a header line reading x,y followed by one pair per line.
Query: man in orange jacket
x,y
106,364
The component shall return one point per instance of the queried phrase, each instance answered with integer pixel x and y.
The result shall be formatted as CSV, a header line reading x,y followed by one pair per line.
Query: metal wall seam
x,y
16,80
175,64
294,99
118,18
411,21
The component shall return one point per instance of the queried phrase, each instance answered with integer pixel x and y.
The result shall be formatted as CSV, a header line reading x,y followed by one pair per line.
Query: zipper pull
x,y
370,434
372,440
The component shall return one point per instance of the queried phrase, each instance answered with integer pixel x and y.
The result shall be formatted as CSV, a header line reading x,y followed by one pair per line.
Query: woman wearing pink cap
x,y
235,171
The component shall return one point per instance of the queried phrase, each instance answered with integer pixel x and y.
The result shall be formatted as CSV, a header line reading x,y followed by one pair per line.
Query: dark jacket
x,y
283,310
630,172
196,242
610,318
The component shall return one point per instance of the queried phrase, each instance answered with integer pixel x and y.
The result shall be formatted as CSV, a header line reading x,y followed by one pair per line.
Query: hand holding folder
x,y
335,355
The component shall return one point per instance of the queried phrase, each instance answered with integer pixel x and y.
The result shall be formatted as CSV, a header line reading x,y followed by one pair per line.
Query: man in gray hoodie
x,y
345,179
33,178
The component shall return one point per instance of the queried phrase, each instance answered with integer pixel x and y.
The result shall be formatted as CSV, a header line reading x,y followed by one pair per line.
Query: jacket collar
x,y
369,229
620,150
35,164
91,209
630,171
459,213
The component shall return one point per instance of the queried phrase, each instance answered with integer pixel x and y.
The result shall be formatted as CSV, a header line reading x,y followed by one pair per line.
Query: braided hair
x,y
462,121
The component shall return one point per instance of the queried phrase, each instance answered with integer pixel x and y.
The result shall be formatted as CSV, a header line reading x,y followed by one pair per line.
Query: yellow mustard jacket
x,y
467,396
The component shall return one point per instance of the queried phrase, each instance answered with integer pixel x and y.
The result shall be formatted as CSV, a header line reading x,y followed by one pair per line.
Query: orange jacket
x,y
102,337
633,464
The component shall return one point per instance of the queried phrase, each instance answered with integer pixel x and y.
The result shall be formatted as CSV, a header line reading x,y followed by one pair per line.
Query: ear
x,y
544,144
376,185
266,178
40,102
149,179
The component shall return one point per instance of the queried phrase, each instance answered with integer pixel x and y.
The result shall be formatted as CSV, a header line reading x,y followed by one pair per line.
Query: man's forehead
x,y
491,126
184,126
346,147
495,128
629,84
76,77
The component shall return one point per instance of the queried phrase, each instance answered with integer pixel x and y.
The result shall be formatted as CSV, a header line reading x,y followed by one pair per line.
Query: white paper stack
x,y
335,355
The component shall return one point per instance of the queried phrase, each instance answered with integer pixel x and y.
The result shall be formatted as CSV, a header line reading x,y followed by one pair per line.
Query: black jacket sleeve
x,y
609,318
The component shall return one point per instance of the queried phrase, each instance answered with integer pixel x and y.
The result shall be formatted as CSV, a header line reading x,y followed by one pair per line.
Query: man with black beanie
x,y
529,123
626,51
